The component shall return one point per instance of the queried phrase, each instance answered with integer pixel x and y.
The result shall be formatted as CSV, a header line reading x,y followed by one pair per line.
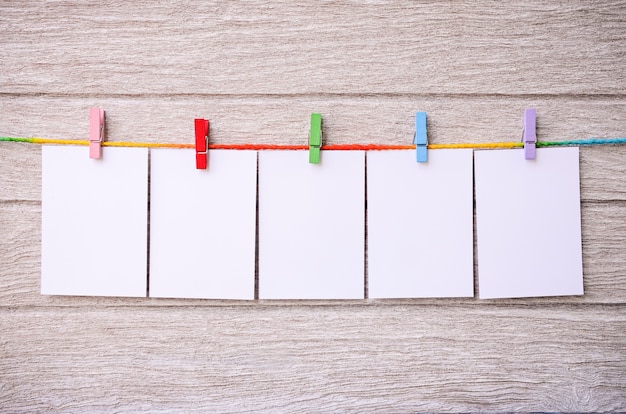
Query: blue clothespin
x,y
529,134
420,140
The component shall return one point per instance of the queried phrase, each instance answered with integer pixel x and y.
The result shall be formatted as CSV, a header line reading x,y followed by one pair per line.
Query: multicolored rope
x,y
330,147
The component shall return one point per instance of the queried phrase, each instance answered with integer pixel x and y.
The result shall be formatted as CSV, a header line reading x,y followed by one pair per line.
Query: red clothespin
x,y
96,132
202,142
529,134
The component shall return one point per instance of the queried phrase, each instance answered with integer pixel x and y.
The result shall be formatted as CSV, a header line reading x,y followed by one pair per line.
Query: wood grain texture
x,y
260,47
257,70
285,120
604,270
328,359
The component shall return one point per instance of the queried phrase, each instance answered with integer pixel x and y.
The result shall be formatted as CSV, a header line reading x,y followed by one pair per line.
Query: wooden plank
x,y
602,173
339,359
604,260
20,172
322,47
285,120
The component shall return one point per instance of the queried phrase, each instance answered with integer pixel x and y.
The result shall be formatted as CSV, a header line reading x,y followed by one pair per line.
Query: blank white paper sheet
x,y
94,222
311,225
528,223
202,225
420,224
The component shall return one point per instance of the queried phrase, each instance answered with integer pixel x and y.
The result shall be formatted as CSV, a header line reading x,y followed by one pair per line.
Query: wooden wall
x,y
257,70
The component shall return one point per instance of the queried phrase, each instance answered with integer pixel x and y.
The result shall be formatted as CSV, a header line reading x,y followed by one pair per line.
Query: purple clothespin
x,y
529,134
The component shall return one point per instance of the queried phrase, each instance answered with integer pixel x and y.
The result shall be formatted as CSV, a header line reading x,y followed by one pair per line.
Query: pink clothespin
x,y
529,134
96,132
202,142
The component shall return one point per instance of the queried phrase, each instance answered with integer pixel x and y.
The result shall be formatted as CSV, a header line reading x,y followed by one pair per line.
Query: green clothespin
x,y
315,138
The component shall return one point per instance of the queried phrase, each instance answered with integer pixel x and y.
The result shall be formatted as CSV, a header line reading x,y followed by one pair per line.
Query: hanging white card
x,y
420,224
528,223
311,225
202,225
94,222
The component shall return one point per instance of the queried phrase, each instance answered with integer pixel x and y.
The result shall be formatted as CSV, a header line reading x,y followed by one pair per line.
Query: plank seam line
x,y
274,95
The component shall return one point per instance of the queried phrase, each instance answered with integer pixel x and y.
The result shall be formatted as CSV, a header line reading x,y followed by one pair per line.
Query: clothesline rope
x,y
331,147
